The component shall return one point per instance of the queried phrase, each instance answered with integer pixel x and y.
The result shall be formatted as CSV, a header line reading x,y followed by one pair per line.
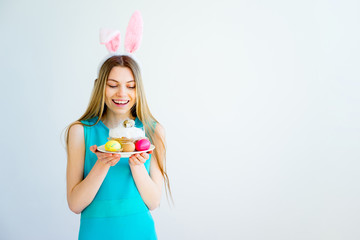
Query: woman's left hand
x,y
139,158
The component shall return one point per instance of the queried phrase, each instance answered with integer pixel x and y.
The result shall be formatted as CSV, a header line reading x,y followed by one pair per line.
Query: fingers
x,y
138,159
104,156
115,158
143,157
114,161
108,158
93,148
133,161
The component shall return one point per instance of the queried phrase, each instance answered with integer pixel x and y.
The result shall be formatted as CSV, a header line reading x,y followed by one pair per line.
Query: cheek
x,y
109,92
133,95
108,95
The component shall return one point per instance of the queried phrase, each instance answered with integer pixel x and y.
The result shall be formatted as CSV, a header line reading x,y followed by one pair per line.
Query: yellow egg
x,y
112,146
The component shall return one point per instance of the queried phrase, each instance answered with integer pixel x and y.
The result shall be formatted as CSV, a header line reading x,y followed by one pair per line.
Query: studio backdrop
x,y
259,101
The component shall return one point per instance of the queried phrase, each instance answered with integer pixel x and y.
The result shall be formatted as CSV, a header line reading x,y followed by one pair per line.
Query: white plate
x,y
124,154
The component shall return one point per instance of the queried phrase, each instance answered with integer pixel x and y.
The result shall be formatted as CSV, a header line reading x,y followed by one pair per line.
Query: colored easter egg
x,y
142,145
112,146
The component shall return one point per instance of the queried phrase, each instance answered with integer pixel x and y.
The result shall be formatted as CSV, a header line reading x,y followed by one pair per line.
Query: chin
x,y
119,111
122,112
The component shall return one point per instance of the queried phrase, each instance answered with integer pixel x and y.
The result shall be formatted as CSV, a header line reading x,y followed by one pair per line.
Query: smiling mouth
x,y
121,102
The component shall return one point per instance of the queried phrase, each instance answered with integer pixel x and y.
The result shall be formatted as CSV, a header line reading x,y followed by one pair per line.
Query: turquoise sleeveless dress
x,y
117,211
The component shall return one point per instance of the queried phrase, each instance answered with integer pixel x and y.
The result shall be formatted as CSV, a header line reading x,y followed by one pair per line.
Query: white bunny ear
x,y
111,39
134,32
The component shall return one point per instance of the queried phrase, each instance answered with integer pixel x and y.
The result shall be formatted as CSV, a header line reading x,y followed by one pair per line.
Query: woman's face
x,y
120,92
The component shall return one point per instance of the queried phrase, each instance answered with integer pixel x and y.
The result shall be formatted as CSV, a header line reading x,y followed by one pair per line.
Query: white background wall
x,y
260,101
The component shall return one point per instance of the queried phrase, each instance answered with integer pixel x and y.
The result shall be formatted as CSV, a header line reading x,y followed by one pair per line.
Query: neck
x,y
112,120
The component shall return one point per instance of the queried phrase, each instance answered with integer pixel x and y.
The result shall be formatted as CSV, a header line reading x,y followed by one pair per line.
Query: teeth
x,y
120,102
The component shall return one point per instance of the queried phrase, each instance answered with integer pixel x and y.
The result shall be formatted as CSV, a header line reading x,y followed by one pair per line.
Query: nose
x,y
121,91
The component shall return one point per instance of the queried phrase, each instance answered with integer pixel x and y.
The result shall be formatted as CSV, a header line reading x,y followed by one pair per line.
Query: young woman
x,y
113,194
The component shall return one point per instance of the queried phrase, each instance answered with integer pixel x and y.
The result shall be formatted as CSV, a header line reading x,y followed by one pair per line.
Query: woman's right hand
x,y
110,159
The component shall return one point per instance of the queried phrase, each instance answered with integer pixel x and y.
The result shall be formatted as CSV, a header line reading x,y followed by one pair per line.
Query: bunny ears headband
x,y
111,38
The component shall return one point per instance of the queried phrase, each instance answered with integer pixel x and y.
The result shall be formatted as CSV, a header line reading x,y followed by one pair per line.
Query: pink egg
x,y
142,145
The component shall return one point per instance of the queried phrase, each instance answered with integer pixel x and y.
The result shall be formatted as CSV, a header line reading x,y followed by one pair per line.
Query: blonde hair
x,y
97,108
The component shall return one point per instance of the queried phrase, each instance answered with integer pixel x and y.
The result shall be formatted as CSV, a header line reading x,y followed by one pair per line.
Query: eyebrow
x,y
118,81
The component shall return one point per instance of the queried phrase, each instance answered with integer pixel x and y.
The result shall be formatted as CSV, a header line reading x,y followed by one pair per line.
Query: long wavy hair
x,y
97,108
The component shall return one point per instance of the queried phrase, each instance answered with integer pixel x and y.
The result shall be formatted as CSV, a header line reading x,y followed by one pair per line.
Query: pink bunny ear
x,y
134,32
111,39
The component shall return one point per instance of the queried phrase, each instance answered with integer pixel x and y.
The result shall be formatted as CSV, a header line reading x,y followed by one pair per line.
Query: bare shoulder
x,y
159,139
160,130
76,147
77,128
76,134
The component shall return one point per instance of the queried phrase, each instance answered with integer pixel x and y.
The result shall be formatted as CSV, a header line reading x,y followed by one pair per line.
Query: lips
x,y
120,102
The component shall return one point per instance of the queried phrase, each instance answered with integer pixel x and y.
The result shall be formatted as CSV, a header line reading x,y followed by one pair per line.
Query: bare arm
x,y
81,192
149,186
